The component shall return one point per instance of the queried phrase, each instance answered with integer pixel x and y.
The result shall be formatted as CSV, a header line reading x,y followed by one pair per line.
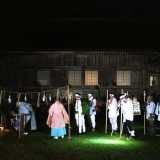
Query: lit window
x,y
43,77
123,78
74,77
91,77
154,80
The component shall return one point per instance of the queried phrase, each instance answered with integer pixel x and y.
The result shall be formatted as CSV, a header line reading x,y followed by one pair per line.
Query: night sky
x,y
80,25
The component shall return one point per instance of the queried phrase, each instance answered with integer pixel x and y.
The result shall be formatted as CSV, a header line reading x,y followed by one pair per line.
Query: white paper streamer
x,y
25,98
9,99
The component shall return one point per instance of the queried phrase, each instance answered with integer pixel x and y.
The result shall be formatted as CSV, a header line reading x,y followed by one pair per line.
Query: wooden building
x,y
87,71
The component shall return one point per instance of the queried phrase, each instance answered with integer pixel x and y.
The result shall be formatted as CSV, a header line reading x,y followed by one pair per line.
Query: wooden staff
x,y
4,94
144,94
18,96
38,100
57,95
68,99
3,125
21,126
106,113
46,101
0,97
121,122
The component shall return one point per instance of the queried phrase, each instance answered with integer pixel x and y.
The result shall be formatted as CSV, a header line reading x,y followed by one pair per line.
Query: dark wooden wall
x,y
19,70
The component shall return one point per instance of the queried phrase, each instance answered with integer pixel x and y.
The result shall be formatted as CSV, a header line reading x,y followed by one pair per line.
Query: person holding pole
x,y
79,116
113,113
106,113
92,111
127,109
150,115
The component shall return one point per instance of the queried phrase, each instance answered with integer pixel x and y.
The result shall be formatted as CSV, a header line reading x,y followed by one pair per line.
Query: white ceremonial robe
x,y
127,109
113,113
157,111
113,108
92,111
80,121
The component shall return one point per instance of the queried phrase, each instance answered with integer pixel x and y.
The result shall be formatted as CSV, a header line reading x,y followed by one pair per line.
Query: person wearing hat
x,y
150,115
113,112
79,116
127,109
92,111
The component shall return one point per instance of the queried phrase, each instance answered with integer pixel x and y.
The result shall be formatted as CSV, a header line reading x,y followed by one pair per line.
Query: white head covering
x,y
89,95
77,95
111,95
123,96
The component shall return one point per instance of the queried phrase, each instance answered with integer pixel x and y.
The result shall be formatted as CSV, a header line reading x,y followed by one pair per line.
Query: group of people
x,y
128,106
58,117
82,109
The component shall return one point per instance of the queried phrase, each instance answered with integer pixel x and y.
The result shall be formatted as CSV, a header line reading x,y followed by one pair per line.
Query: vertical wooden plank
x,y
21,126
3,125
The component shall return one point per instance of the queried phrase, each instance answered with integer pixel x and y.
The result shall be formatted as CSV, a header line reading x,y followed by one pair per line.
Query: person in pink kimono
x,y
57,120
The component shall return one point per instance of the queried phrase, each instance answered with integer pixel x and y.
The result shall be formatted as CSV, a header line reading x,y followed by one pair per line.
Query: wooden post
x,y
144,94
3,125
121,122
68,99
0,97
21,126
106,113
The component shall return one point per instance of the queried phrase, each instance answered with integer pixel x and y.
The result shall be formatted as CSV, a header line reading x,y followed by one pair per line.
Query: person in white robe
x,y
79,116
113,112
127,109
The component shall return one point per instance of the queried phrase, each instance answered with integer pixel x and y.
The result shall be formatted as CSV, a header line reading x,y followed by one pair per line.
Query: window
x,y
74,77
123,78
91,77
154,80
43,77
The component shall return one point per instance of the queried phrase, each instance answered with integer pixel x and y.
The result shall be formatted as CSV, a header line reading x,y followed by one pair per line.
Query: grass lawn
x,y
39,145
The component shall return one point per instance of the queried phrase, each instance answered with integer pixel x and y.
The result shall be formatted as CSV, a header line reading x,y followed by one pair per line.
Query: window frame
x,y
124,80
91,77
48,79
74,77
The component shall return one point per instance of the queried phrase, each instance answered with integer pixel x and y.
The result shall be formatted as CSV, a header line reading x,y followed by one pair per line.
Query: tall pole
x,y
106,113
121,121
144,94
68,99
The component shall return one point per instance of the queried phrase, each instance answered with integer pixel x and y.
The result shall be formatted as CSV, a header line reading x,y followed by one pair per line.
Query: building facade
x,y
94,72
